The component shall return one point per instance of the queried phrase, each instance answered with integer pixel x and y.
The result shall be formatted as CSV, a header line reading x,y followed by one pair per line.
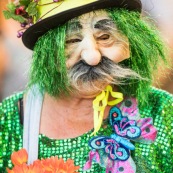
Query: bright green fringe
x,y
146,49
48,69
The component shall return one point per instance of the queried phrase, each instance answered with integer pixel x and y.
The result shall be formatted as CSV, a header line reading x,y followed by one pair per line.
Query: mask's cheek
x,y
117,52
73,56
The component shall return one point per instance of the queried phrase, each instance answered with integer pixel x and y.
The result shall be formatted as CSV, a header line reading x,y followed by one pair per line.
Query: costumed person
x,y
89,97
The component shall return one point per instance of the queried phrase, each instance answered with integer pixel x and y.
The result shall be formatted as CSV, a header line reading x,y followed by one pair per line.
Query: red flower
x,y
20,10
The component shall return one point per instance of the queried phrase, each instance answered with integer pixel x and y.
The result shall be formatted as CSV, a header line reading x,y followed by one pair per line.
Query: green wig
x,y
49,71
146,50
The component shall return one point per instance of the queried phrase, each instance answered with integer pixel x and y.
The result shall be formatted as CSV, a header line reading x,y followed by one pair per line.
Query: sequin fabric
x,y
154,158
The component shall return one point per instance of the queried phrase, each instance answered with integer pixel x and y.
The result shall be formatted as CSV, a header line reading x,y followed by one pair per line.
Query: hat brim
x,y
31,35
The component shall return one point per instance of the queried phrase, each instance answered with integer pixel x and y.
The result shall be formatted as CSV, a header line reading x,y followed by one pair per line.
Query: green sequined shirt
x,y
154,158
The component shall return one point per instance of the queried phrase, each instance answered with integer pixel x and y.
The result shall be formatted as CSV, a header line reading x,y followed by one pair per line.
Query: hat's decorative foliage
x,y
25,12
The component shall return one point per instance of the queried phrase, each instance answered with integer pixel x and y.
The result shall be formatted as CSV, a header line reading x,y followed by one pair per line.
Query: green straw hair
x,y
146,49
48,69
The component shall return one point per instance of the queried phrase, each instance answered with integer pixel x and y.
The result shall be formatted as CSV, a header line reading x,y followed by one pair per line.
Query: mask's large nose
x,y
90,52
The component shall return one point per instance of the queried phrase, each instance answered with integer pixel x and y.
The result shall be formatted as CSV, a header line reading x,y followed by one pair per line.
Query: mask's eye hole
x,y
104,37
75,40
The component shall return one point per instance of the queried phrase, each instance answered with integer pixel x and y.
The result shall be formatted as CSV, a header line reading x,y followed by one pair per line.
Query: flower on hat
x,y
48,165
21,11
25,12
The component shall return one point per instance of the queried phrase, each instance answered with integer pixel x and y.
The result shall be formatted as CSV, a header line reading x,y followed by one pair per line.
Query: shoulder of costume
x,y
160,98
160,108
15,96
159,92
9,127
10,102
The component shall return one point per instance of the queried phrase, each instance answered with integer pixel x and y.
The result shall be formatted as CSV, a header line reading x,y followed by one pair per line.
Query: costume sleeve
x,y
157,157
164,141
162,108
10,130
2,135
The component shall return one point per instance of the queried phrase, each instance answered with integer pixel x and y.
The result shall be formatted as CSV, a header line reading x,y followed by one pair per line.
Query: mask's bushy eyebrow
x,y
74,25
104,24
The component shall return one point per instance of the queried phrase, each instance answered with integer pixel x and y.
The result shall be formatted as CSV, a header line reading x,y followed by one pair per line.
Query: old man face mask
x,y
94,47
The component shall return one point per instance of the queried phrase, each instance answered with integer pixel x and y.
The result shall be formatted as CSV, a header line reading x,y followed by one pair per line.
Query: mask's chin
x,y
88,90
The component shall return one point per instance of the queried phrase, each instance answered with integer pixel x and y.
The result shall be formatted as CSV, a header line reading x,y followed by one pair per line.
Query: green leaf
x,y
32,9
19,18
9,15
11,7
24,2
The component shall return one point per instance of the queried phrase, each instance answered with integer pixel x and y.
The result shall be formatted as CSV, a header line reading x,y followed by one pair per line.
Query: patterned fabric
x,y
154,158
113,152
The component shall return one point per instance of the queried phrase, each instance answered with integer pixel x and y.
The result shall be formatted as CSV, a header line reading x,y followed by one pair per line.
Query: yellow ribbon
x,y
100,103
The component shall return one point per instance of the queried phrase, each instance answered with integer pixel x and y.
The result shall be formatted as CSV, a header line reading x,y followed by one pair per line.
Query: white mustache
x,y
106,71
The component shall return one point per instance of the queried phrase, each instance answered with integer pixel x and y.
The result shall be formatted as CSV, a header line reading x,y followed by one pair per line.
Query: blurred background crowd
x,y
15,58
